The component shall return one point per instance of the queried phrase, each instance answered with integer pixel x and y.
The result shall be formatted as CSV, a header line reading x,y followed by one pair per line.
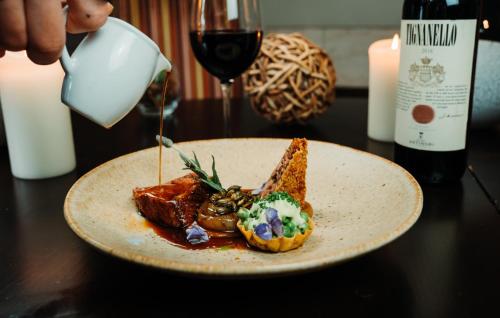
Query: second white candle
x,y
383,59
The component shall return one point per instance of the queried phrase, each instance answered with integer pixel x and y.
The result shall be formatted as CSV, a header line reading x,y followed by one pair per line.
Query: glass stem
x,y
226,104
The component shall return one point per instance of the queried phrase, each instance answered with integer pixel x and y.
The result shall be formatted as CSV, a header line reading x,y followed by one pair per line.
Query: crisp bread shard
x,y
290,174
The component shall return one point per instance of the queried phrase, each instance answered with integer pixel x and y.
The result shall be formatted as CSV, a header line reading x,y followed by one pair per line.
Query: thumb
x,y
87,15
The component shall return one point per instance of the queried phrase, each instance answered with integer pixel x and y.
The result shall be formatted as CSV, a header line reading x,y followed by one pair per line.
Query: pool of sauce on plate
x,y
177,237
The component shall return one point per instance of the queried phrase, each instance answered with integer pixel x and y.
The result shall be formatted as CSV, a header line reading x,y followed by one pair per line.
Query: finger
x,y
87,15
13,34
46,35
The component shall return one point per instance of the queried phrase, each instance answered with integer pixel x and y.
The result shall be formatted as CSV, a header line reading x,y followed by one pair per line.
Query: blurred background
x,y
344,28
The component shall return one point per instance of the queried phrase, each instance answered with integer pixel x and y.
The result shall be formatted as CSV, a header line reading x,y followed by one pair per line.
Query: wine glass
x,y
225,37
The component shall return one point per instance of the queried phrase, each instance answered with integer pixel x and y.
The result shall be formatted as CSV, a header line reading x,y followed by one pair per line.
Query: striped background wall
x,y
167,23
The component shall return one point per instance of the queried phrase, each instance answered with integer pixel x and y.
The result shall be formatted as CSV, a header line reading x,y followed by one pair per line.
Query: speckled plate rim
x,y
228,270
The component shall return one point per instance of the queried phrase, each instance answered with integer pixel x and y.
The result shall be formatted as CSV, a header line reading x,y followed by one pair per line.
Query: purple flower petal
x,y
196,234
271,214
277,227
263,231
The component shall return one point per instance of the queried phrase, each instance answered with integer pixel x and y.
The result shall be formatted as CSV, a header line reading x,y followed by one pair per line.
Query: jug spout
x,y
161,64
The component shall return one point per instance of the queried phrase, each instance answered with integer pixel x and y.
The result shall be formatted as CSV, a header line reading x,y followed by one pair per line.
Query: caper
x,y
242,201
216,196
248,204
213,200
237,196
222,210
224,201
234,207
234,188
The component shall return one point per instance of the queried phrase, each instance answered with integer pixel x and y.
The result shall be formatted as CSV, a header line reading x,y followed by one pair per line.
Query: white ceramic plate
x,y
360,202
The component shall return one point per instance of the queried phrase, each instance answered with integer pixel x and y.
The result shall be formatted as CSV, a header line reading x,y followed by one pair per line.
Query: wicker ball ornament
x,y
292,79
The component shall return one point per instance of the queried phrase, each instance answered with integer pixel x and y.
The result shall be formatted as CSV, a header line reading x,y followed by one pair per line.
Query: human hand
x,y
38,26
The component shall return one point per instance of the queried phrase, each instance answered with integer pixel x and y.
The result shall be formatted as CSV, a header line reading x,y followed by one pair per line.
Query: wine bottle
x,y
436,77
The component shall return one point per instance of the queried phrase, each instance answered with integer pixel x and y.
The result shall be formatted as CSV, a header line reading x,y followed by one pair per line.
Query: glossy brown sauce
x,y
177,237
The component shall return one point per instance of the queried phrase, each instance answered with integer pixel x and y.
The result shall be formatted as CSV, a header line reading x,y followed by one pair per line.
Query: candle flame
x,y
395,42
486,24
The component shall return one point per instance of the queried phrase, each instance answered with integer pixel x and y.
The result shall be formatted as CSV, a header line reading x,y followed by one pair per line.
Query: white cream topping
x,y
284,208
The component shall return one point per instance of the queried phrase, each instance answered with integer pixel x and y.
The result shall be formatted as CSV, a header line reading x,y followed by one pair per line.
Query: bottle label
x,y
434,83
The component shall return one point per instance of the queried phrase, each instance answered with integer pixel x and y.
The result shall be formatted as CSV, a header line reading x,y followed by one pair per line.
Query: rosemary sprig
x,y
194,165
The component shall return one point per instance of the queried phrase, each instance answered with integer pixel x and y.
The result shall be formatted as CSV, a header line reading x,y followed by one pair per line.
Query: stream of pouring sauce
x,y
160,146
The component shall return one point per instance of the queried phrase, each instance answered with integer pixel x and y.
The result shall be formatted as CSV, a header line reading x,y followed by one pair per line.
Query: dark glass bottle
x,y
438,54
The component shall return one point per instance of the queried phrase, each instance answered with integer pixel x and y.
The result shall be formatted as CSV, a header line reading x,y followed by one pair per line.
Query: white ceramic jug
x,y
109,71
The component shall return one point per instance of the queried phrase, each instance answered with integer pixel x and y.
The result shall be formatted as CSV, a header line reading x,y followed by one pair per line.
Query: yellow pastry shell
x,y
276,244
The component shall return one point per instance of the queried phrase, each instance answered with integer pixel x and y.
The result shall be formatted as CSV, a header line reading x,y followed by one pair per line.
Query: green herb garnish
x,y
275,196
194,165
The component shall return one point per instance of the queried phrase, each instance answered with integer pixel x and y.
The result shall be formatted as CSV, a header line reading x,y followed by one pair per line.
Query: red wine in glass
x,y
225,37
226,54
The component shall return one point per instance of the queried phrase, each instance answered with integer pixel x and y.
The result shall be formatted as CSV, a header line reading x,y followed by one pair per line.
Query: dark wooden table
x,y
447,265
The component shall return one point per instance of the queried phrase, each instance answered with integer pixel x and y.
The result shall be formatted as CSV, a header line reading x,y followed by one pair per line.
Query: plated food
x,y
361,202
202,212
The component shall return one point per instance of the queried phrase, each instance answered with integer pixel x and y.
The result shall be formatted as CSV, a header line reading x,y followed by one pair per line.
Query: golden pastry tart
x,y
276,244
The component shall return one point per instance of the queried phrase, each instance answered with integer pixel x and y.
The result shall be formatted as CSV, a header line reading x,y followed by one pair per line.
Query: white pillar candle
x,y
383,58
37,124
